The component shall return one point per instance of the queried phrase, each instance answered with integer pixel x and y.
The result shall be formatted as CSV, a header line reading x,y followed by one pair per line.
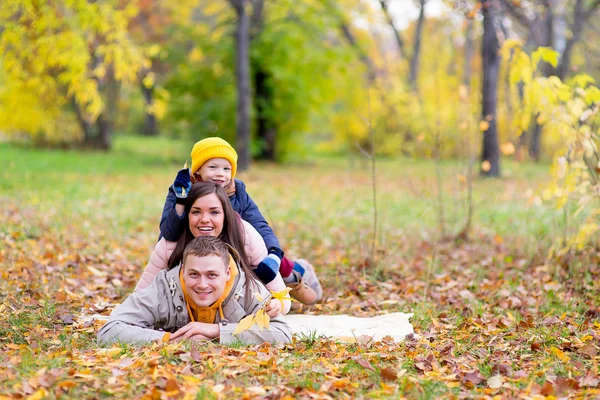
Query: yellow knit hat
x,y
213,147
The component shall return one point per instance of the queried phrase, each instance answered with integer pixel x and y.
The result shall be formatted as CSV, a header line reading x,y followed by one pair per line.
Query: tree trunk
x,y
414,61
399,41
150,122
535,144
469,49
491,61
242,75
104,132
548,37
364,57
84,124
265,130
578,21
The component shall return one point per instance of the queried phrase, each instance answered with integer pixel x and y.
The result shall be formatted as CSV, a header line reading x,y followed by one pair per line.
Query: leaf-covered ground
x,y
492,316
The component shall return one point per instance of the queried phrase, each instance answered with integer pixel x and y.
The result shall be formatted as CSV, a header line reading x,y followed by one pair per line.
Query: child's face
x,y
215,170
205,279
206,217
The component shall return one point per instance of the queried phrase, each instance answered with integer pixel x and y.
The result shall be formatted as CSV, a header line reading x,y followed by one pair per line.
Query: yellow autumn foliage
x,y
54,54
569,114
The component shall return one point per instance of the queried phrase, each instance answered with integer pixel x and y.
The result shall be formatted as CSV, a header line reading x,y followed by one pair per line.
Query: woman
x,y
208,212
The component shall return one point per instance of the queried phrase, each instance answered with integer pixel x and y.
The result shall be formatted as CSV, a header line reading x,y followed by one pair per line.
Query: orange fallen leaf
x,y
388,374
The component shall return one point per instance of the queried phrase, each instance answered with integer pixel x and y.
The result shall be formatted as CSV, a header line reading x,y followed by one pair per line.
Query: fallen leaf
x,y
195,354
589,350
495,382
474,377
388,374
363,363
590,381
547,389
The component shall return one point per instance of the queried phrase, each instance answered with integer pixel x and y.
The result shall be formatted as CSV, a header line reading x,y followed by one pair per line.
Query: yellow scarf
x,y
208,314
230,188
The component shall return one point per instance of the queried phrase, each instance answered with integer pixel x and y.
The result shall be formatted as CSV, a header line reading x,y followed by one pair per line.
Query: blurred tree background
x,y
425,78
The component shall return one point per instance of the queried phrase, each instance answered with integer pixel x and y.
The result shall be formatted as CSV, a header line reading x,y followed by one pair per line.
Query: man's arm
x,y
137,318
278,332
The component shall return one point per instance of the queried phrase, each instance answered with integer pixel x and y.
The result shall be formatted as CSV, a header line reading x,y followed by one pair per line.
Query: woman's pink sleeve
x,y
158,261
255,247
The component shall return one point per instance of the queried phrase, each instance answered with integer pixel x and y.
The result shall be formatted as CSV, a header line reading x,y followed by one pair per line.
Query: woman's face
x,y
206,216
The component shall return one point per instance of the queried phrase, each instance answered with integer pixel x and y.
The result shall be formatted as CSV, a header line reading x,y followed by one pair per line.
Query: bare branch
x,y
399,40
592,8
515,13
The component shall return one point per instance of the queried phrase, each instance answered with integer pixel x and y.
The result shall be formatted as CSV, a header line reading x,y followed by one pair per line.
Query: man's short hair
x,y
203,246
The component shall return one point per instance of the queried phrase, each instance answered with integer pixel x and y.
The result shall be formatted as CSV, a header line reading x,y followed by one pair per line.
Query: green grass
x,y
66,211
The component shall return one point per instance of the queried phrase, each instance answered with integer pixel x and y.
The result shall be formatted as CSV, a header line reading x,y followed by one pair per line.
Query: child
x,y
201,299
215,160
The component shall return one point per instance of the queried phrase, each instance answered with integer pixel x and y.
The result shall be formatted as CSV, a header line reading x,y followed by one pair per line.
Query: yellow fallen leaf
x,y
244,324
38,395
559,354
484,126
109,352
97,272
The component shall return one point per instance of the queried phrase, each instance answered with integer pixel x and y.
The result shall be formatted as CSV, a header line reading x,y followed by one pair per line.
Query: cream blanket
x,y
348,328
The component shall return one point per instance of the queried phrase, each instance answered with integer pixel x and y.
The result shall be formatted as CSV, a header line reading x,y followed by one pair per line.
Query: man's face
x,y
205,278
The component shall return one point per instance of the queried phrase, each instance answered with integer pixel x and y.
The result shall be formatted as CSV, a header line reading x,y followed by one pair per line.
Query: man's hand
x,y
196,331
274,308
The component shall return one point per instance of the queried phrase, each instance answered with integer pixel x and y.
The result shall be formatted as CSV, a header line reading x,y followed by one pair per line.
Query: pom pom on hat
x,y
213,147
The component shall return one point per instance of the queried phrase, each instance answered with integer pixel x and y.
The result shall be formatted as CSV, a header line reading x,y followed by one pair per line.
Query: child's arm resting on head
x,y
158,261
252,214
135,320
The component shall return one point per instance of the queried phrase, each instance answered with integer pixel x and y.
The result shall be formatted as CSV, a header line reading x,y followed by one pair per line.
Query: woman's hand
x,y
274,308
196,331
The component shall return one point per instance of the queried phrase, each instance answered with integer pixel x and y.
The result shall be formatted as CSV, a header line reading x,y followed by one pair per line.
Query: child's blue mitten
x,y
182,185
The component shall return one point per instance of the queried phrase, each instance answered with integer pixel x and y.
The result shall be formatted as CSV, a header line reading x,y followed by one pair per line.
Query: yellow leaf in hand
x,y
266,320
259,318
262,319
185,165
282,296
244,324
